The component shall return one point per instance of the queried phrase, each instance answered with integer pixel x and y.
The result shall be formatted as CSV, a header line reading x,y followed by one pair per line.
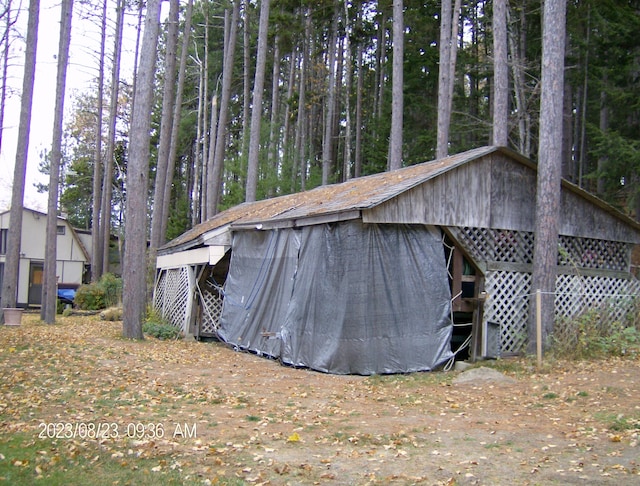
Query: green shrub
x,y
89,297
112,288
161,330
159,327
592,340
95,296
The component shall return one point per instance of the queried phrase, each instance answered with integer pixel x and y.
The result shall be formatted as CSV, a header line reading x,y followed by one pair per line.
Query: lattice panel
x,y
171,295
508,306
592,253
486,244
494,245
614,299
212,310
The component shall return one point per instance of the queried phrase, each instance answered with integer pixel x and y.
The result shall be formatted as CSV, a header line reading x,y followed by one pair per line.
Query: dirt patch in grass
x,y
177,412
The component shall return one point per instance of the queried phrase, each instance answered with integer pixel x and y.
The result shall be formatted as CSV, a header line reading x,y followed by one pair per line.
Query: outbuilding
x,y
396,271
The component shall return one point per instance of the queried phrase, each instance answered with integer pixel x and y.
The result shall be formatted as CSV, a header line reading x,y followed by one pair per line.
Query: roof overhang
x,y
198,256
297,222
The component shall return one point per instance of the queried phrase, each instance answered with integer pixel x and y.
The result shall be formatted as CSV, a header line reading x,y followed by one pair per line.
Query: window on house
x,y
3,241
61,229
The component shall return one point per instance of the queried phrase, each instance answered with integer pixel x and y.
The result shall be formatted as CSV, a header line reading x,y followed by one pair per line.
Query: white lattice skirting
x,y
510,295
171,295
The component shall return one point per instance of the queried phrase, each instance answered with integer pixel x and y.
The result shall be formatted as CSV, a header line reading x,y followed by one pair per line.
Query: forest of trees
x,y
258,99
326,103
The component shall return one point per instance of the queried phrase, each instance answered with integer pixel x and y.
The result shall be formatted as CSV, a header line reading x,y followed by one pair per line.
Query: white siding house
x,y
72,257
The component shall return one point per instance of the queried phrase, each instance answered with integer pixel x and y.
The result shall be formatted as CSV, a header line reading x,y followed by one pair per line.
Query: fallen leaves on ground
x,y
79,390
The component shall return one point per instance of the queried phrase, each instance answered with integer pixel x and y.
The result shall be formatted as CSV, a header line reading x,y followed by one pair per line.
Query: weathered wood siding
x,y
582,218
498,192
456,198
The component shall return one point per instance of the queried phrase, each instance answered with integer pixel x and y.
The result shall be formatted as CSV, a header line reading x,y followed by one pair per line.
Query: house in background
x,y
72,257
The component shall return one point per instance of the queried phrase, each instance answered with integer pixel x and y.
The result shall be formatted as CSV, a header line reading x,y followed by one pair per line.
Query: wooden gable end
x,y
462,196
499,192
581,217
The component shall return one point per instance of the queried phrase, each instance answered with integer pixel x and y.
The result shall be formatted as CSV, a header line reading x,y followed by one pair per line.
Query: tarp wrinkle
x,y
346,298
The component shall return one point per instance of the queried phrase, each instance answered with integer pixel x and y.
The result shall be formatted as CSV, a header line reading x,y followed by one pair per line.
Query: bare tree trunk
x,y
327,142
397,102
200,144
209,182
96,242
175,126
347,163
500,75
225,98
50,285
246,77
604,126
5,42
286,129
274,128
134,265
107,183
256,110
166,125
300,142
359,83
200,164
12,262
446,72
517,68
545,255
381,55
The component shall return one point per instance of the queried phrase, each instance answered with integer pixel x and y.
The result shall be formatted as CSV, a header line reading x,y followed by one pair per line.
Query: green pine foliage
x,y
602,71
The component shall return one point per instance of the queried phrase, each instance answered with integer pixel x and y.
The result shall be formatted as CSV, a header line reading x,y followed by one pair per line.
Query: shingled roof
x,y
346,198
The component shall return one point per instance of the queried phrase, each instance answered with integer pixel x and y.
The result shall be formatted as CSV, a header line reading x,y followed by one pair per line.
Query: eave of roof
x,y
347,199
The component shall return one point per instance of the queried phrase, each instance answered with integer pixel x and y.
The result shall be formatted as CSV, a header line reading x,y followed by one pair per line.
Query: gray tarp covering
x,y
342,298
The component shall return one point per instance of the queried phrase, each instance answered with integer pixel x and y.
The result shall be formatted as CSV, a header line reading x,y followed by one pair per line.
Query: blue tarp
x,y
66,295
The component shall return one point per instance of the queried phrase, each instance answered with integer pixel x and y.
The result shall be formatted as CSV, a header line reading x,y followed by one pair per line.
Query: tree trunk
x,y
6,44
381,55
357,170
446,72
225,98
166,125
50,285
134,265
256,110
175,126
12,262
500,75
545,255
518,60
301,140
107,183
274,124
96,242
397,104
604,127
346,172
327,139
246,77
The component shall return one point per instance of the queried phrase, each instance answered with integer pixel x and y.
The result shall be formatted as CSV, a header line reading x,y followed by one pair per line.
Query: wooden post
x,y
539,326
